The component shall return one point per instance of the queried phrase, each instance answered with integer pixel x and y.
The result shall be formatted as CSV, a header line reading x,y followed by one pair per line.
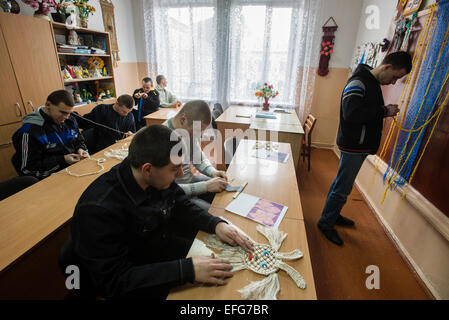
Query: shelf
x,y
86,79
83,54
104,101
59,25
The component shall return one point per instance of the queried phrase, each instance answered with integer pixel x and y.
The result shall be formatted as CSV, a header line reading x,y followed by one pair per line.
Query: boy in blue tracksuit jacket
x,y
49,139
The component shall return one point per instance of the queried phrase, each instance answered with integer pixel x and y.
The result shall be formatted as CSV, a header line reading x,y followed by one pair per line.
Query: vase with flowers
x,y
266,92
84,10
42,7
61,13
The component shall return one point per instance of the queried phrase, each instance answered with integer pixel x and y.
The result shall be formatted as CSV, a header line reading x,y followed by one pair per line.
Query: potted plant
x,y
61,13
84,10
42,7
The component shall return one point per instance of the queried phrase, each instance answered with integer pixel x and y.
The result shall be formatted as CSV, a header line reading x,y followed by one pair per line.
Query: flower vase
x,y
39,13
266,105
60,17
84,22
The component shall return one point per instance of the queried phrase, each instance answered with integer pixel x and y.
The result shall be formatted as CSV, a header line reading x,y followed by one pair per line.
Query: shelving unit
x,y
91,84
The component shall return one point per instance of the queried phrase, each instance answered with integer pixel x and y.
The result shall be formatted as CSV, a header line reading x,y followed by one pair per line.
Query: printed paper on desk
x,y
260,210
271,155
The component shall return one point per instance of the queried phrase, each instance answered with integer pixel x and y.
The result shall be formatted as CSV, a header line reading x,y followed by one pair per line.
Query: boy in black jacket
x,y
361,120
49,139
117,116
133,226
147,101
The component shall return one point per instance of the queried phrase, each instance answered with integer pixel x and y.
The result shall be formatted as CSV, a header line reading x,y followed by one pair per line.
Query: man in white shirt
x,y
167,99
200,189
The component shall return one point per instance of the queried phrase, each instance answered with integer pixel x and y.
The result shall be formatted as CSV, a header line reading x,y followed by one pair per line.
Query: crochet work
x,y
265,260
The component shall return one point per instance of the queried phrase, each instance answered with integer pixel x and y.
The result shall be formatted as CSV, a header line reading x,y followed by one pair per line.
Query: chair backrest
x,y
89,140
230,146
218,107
216,112
308,128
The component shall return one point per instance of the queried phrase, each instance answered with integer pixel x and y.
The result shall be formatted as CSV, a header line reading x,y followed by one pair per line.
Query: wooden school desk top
x,y
161,115
31,215
246,115
266,179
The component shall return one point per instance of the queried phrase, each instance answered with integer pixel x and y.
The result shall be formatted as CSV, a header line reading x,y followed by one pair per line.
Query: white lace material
x,y
265,260
119,154
215,56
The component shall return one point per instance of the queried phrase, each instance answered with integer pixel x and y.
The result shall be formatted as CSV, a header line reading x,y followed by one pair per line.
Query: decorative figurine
x,y
73,40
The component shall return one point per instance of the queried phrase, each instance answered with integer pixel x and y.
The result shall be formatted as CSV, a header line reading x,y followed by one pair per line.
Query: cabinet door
x,y
32,51
11,105
7,150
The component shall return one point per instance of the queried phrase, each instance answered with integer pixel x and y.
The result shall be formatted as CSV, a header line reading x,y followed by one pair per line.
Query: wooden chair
x,y
306,148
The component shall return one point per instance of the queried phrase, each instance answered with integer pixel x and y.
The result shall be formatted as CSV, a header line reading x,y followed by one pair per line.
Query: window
x,y
222,51
187,53
260,45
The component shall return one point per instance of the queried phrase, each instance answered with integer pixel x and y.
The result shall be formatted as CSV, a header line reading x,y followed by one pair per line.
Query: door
x,y
32,51
11,104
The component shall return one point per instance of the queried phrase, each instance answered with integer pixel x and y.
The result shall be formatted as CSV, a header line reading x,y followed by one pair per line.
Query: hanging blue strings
x,y
415,117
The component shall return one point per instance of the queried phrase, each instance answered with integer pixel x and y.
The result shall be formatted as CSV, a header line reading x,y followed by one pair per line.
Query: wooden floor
x,y
340,271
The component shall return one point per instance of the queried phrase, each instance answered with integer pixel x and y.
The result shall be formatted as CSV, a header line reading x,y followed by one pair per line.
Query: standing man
x,y
361,120
133,227
147,101
49,139
168,100
117,116
200,189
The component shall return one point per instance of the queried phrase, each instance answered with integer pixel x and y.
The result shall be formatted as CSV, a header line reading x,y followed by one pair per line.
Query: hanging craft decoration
x,y
265,260
401,28
107,9
412,27
423,105
327,47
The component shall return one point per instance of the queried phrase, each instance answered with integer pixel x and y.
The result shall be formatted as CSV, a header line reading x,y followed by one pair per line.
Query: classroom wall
x,y
419,229
127,73
327,90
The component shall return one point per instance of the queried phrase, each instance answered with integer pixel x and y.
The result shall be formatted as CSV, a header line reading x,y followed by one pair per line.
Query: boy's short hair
x,y
159,78
58,96
399,60
197,110
152,145
125,100
147,79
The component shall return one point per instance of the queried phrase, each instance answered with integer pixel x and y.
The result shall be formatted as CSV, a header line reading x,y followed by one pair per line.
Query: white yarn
x,y
99,163
274,236
119,154
295,275
265,289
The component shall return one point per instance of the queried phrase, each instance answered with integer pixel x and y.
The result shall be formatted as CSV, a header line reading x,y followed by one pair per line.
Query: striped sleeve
x,y
355,88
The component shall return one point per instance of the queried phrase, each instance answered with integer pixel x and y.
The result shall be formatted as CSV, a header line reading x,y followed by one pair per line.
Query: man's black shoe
x,y
342,221
332,235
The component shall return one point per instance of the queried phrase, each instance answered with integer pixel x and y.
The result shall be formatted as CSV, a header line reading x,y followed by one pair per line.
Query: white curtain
x,y
223,50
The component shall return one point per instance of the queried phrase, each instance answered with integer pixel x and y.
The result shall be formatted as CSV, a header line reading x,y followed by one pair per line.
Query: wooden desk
x,y
161,115
266,179
281,187
31,217
286,126
296,239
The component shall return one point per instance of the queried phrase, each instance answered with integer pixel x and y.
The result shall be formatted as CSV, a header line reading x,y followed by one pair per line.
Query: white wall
x,y
346,14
